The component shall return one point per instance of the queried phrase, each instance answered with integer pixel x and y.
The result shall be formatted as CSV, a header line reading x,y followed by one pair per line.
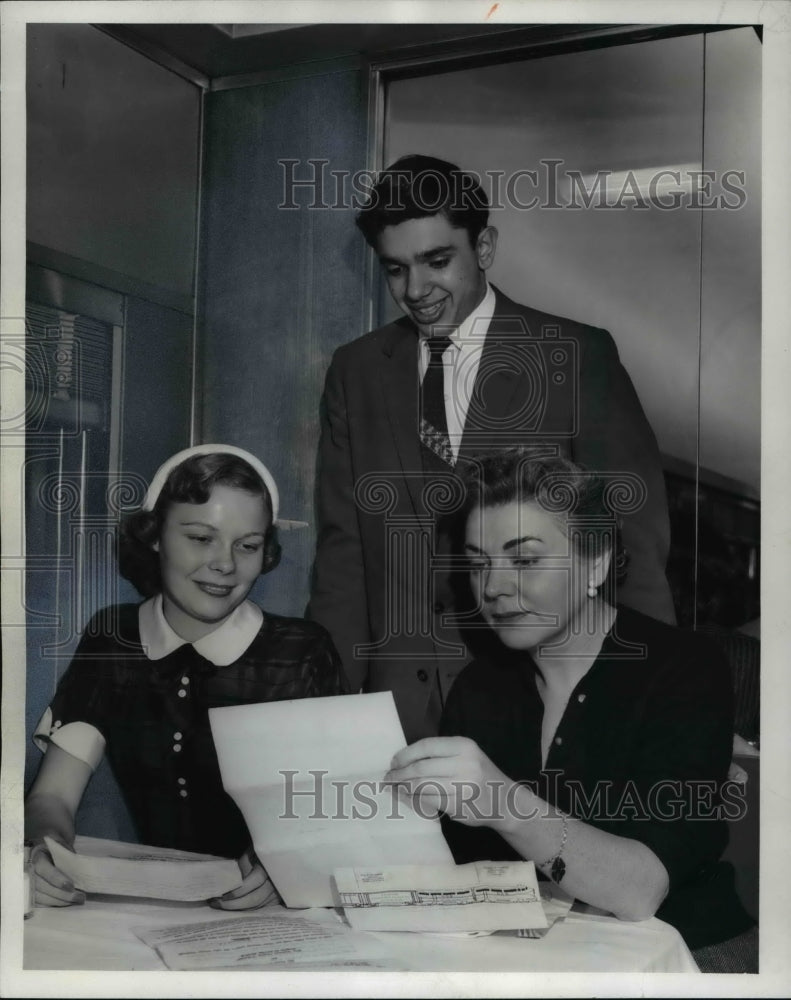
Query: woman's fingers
x,y
247,862
255,890
47,895
53,888
428,803
430,748
263,894
426,767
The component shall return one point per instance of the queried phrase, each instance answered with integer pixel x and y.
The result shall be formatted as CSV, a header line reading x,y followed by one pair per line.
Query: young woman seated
x,y
144,676
590,739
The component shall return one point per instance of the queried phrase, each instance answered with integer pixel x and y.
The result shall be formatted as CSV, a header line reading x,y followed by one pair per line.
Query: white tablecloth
x,y
98,936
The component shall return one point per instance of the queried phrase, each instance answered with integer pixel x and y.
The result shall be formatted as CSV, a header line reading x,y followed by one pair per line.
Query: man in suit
x,y
509,376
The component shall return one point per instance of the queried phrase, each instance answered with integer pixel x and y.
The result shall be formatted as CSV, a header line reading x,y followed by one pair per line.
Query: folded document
x,y
307,777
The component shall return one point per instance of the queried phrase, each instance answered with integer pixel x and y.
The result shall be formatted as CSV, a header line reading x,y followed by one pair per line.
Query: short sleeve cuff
x,y
80,739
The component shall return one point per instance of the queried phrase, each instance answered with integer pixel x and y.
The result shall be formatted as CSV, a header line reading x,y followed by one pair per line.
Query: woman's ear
x,y
271,552
600,568
155,545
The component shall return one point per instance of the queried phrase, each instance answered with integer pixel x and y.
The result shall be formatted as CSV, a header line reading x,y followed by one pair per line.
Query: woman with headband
x,y
144,676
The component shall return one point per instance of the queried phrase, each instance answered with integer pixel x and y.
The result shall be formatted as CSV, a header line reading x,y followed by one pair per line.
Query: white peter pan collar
x,y
222,646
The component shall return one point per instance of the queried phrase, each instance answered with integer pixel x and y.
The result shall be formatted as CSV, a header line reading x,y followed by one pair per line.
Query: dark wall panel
x,y
112,156
281,288
157,385
155,407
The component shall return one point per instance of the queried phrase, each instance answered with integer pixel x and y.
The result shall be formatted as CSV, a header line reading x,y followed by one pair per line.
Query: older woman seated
x,y
590,739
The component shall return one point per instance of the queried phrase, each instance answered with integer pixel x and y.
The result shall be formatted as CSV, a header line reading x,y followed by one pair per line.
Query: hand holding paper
x,y
451,775
53,887
255,891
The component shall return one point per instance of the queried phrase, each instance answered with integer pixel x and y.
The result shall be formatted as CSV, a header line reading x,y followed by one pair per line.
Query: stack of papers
x,y
117,869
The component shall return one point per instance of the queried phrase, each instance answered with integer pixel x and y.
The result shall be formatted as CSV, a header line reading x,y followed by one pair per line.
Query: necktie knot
x,y
437,347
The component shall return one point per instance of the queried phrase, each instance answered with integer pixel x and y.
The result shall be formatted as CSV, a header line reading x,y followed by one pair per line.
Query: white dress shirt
x,y
460,365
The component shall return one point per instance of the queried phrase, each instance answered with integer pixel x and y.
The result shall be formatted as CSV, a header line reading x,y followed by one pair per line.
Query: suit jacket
x,y
541,379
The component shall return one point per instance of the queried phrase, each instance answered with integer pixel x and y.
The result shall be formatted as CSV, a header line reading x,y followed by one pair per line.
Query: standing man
x,y
464,372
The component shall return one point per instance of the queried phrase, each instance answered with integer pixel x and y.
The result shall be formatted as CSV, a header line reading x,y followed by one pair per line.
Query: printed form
x,y
264,941
481,896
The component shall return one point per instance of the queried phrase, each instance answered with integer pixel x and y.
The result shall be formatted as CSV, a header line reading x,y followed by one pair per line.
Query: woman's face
x,y
528,580
210,555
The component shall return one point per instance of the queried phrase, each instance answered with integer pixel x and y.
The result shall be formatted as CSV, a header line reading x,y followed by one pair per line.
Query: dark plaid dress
x,y
153,715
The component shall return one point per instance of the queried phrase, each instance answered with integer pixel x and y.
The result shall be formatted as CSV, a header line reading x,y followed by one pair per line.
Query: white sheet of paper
x,y
306,775
115,868
262,941
481,896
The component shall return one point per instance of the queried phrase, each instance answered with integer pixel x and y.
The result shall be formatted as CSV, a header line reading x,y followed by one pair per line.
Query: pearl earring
x,y
592,591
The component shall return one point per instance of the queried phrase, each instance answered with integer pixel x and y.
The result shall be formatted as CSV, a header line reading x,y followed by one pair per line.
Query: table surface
x,y
98,937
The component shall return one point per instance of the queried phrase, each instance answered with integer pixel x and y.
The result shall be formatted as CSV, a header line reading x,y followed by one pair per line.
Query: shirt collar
x,y
222,646
474,327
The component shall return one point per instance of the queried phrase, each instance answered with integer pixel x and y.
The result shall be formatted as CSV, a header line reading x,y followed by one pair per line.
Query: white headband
x,y
162,473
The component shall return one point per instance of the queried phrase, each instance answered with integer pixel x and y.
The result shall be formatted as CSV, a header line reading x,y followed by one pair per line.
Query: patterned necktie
x,y
433,420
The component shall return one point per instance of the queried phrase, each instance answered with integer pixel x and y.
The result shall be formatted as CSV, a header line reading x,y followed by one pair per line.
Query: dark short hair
x,y
415,187
190,482
569,492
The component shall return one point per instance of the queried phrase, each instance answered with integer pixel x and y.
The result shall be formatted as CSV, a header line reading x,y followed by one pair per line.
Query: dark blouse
x,y
153,715
642,751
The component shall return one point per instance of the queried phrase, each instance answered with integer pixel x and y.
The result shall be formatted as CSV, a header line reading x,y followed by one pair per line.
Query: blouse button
x,y
185,681
558,741
177,736
183,793
182,781
176,748
581,698
182,693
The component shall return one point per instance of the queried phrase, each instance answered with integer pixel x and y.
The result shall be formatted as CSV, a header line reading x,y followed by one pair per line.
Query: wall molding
x,y
95,274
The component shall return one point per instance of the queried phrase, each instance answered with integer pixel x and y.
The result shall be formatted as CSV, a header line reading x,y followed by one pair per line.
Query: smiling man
x,y
465,372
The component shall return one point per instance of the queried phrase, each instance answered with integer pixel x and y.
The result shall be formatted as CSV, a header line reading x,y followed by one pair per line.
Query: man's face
x,y
433,272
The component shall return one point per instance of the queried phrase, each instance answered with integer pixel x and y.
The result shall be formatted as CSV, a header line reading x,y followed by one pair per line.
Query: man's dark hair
x,y
415,187
190,482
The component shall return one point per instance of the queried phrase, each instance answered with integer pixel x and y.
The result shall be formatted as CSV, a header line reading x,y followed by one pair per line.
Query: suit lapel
x,y
502,383
399,382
